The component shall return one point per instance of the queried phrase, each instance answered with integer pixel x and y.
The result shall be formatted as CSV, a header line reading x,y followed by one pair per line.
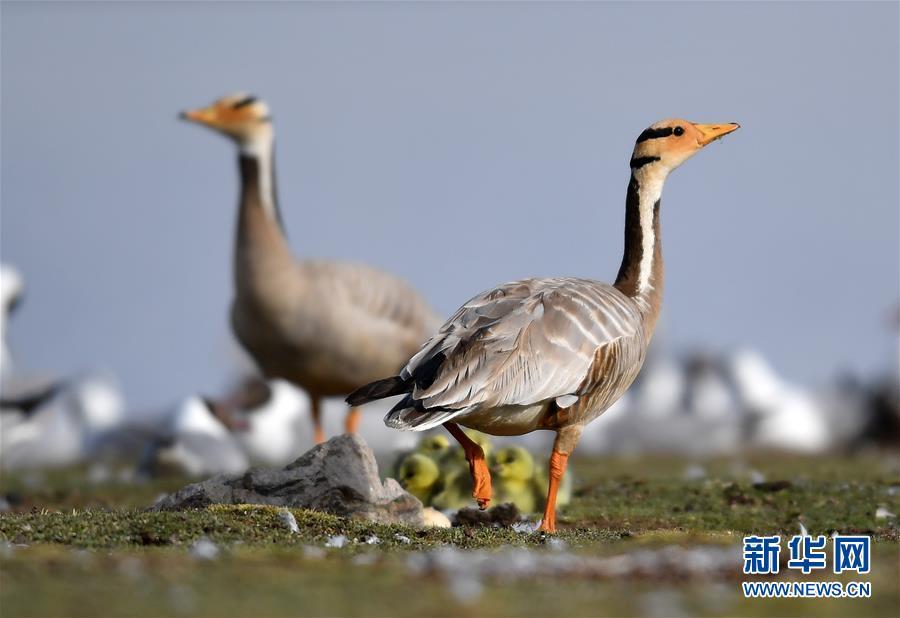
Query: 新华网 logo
x,y
762,556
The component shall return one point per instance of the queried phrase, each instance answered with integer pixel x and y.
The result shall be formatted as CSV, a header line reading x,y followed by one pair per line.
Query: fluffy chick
x,y
419,475
456,481
513,471
455,486
437,473
456,453
434,447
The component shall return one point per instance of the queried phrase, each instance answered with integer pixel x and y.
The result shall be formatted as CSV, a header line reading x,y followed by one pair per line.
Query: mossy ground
x,y
90,549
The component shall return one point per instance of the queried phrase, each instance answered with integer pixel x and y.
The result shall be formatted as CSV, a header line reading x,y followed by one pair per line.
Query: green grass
x,y
740,507
74,548
251,526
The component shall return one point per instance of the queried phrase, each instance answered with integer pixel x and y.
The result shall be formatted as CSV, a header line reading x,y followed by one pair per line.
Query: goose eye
x,y
678,131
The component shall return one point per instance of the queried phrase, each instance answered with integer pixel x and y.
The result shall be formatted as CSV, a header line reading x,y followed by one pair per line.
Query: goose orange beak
x,y
711,132
204,115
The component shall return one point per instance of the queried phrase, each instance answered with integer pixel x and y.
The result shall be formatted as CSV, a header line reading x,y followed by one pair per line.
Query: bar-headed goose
x,y
549,353
326,326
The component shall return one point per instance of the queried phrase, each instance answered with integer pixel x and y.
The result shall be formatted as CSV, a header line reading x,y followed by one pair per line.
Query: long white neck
x,y
261,256
258,178
641,273
650,187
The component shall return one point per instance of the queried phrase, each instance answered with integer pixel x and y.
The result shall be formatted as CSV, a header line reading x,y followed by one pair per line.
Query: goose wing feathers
x,y
520,344
370,294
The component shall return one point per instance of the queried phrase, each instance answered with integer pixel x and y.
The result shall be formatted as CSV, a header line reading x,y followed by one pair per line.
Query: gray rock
x,y
338,477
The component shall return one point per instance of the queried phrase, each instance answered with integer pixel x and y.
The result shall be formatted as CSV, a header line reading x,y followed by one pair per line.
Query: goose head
x,y
667,144
239,116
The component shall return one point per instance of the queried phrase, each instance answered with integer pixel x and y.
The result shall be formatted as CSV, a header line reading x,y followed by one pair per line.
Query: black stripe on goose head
x,y
652,133
639,162
249,100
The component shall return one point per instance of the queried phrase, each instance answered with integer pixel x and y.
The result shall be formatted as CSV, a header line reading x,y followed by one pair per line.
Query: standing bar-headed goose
x,y
328,327
549,353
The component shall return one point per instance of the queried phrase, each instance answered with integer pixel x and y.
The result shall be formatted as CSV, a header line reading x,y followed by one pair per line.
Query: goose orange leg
x,y
481,476
558,463
316,410
566,439
351,423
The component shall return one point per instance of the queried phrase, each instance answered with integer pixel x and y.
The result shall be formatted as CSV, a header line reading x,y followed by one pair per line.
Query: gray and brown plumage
x,y
326,326
549,353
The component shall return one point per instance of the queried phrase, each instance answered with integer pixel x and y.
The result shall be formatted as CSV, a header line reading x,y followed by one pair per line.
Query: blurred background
x,y
459,146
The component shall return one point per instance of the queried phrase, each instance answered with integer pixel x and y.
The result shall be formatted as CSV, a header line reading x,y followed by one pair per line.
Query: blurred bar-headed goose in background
x,y
326,326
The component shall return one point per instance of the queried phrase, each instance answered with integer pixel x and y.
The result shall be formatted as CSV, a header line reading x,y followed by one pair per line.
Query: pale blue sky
x,y
458,145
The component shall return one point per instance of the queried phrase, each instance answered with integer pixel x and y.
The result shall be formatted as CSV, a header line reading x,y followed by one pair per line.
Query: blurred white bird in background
x,y
12,287
194,442
676,406
278,430
64,424
50,422
706,403
660,387
700,403
259,422
785,416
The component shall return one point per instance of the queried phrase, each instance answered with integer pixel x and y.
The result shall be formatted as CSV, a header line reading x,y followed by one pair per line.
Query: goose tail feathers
x,y
379,389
